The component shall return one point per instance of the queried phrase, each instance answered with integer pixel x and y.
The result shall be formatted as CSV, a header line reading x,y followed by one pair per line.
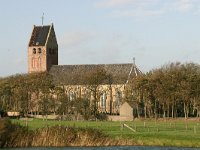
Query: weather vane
x,y
42,19
134,60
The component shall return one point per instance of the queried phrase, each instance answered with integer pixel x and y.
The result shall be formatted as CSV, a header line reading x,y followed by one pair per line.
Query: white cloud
x,y
145,8
121,3
137,13
111,3
131,8
99,47
197,12
19,61
184,5
75,38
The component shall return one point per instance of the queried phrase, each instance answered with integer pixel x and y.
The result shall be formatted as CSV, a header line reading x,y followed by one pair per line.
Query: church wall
x,y
105,99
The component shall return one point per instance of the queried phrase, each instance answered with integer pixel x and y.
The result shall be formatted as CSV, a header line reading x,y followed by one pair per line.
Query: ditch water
x,y
109,148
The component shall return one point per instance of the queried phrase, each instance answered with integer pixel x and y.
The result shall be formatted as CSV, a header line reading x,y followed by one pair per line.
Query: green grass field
x,y
148,132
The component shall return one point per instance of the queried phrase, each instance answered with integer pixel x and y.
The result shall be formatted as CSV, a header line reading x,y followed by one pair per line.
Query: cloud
x,y
184,5
75,38
91,46
131,8
99,47
121,3
111,3
197,12
19,61
147,8
137,13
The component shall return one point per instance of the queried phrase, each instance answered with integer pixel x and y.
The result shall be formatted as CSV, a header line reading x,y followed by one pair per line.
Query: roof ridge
x,y
42,26
94,64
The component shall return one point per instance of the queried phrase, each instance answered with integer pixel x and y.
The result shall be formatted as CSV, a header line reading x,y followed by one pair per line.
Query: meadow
x,y
177,132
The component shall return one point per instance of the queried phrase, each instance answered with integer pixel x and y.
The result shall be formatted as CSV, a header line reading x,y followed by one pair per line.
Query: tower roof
x,y
39,35
78,74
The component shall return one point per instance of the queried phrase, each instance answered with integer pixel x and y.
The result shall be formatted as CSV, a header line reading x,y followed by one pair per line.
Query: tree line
x,y
172,90
37,94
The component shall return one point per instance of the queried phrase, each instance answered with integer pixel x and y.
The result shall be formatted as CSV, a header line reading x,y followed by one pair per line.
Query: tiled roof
x,y
78,74
39,35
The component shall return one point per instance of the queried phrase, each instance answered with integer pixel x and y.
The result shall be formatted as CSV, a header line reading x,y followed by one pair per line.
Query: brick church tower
x,y
42,49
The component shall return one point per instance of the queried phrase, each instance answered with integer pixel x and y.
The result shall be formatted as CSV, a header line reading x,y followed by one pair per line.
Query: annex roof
x,y
78,74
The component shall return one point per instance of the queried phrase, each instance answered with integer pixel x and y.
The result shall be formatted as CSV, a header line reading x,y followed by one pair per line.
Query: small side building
x,y
125,114
126,111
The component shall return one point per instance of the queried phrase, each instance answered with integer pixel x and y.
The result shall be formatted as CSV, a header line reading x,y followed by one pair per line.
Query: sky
x,y
155,32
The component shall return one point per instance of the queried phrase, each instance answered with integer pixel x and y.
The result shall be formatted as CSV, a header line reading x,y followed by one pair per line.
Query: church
x,y
43,57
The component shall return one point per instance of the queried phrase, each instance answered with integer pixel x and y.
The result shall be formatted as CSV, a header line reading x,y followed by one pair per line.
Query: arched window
x,y
103,100
39,50
118,97
72,95
34,51
33,63
39,63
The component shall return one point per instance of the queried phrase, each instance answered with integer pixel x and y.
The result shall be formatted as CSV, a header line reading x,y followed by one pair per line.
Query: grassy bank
x,y
148,132
15,135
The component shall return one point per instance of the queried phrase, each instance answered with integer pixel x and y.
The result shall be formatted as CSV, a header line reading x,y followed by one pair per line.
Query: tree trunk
x,y
172,111
164,114
185,110
175,110
168,111
138,113
95,102
198,112
111,100
155,110
145,111
150,112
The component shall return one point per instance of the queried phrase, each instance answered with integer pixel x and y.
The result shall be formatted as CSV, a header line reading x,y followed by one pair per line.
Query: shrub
x,y
102,117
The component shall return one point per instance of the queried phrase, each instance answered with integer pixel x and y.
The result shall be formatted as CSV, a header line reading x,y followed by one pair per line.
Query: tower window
x,y
34,51
39,50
